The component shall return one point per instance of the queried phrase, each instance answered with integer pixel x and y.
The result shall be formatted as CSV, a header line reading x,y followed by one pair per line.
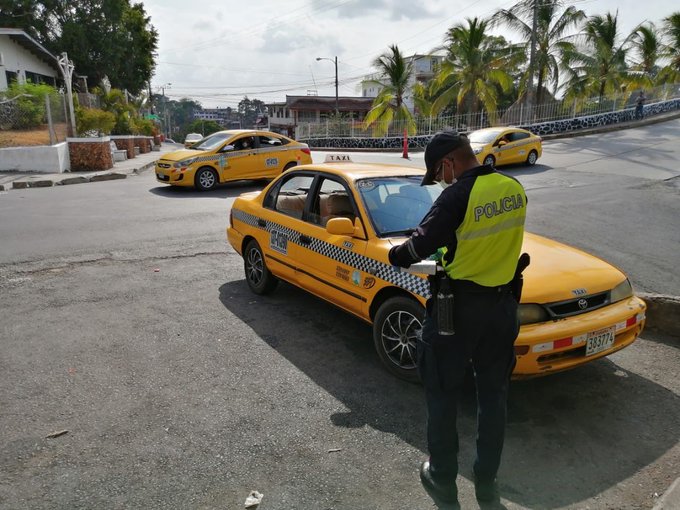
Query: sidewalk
x,y
120,170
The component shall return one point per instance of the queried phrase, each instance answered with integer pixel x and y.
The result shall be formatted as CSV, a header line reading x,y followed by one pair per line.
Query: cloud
x,y
285,39
394,10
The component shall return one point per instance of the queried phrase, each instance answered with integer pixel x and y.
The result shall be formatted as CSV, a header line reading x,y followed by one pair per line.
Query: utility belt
x,y
444,290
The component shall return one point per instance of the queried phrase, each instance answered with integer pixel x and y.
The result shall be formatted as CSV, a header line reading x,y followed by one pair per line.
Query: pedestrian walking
x,y
476,226
639,104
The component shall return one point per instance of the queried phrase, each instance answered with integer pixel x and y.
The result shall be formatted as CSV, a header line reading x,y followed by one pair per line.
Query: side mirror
x,y
227,148
502,142
340,227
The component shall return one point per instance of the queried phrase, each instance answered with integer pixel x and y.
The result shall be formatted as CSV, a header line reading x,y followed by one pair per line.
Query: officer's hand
x,y
399,256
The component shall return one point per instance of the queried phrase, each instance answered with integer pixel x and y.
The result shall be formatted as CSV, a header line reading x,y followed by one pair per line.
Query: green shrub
x,y
144,127
94,120
31,103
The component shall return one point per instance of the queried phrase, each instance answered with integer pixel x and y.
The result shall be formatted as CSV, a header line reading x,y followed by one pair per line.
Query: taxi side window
x,y
332,201
291,196
271,141
514,137
245,143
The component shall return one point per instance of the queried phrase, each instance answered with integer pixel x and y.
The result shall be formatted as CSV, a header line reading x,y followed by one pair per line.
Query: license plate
x,y
599,341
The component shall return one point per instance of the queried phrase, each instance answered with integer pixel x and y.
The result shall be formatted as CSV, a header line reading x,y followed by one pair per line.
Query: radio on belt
x,y
440,284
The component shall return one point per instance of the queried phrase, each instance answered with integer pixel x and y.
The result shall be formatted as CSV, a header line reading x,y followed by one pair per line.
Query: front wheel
x,y
396,330
259,278
490,160
531,158
206,179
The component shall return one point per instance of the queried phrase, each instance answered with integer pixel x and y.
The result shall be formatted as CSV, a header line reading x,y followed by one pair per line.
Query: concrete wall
x,y
43,158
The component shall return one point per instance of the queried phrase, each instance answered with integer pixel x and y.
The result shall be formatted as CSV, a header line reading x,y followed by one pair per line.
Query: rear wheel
x,y
490,160
396,329
259,279
206,179
289,166
532,157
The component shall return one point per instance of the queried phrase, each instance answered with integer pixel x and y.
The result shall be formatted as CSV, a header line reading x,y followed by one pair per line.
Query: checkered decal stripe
x,y
386,272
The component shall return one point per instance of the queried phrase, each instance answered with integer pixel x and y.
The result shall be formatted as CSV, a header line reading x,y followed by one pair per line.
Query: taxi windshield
x,y
212,142
396,205
483,136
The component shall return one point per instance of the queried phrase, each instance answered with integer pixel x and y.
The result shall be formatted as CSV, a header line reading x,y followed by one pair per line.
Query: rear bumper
x,y
568,338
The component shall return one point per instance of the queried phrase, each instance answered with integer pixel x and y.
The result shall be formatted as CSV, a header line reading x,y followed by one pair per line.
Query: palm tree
x,y
649,48
596,63
475,68
551,32
671,73
394,71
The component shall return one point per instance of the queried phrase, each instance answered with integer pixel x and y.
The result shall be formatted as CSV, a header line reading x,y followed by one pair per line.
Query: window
x,y
514,137
290,197
332,201
271,141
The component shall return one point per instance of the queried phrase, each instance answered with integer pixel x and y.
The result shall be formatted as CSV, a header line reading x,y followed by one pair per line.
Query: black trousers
x,y
486,328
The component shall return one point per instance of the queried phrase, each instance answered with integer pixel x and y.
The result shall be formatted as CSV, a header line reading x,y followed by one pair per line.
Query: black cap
x,y
441,144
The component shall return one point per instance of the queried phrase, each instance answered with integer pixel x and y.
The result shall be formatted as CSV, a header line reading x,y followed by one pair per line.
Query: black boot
x,y
486,490
445,495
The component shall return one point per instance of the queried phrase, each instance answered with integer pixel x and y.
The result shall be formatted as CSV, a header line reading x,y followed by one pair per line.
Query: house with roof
x,y
23,59
285,117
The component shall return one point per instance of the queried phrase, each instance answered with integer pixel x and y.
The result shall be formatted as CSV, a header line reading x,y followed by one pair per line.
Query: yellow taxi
x,y
505,145
327,228
229,156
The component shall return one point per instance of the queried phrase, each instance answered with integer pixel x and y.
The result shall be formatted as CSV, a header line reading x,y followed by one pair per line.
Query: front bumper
x,y
172,176
560,345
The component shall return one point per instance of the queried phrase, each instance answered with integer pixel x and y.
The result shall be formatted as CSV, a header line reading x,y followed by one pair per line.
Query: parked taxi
x,y
327,228
505,145
229,156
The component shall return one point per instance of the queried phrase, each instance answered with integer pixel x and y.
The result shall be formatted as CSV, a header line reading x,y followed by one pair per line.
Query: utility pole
x,y
66,67
335,61
532,59
165,110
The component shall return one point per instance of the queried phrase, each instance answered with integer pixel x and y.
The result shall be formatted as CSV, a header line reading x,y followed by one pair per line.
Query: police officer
x,y
477,223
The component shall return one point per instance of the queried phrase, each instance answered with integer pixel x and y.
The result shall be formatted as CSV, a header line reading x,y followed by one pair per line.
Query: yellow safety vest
x,y
490,236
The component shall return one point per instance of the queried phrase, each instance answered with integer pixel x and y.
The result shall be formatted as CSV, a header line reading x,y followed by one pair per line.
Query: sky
x,y
218,51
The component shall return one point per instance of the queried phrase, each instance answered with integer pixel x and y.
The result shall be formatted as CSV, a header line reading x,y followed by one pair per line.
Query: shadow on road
x,y
228,190
570,436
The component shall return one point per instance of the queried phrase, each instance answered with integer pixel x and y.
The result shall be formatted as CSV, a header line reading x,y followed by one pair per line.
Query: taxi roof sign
x,y
338,158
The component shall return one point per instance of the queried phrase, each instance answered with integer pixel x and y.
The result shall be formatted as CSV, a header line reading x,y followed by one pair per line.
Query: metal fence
x,y
30,120
515,115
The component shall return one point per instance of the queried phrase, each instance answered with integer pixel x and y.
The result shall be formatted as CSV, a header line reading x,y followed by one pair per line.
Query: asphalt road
x,y
127,323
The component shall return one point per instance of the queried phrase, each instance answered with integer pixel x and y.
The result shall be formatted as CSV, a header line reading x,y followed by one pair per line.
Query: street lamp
x,y
335,61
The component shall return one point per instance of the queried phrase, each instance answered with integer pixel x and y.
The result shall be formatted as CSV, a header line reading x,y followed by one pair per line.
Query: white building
x,y
424,69
24,59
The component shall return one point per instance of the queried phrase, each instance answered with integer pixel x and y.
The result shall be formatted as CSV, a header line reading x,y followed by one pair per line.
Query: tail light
x,y
306,150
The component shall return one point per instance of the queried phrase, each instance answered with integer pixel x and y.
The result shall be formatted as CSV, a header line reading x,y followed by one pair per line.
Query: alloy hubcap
x,y
255,267
207,179
400,332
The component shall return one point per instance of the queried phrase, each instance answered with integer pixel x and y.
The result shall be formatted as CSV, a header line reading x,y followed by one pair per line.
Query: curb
x,y
671,498
662,316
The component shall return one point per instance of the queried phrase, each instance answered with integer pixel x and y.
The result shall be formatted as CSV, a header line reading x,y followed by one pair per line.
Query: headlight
x,y
622,291
476,151
186,162
531,313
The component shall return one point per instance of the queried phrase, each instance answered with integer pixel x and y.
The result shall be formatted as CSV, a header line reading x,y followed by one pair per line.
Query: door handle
x,y
261,223
305,239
